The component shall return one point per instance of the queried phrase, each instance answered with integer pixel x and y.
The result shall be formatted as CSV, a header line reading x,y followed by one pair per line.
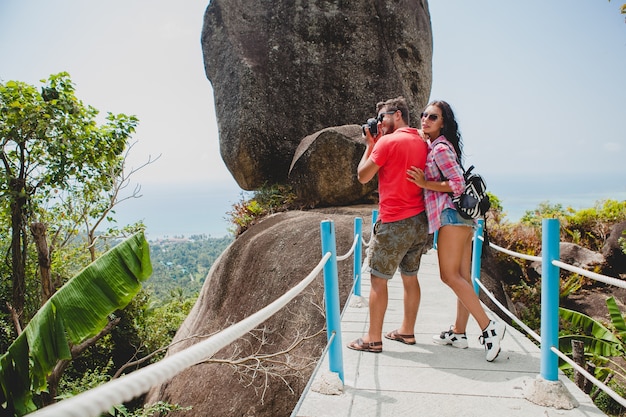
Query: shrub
x,y
591,226
545,210
265,201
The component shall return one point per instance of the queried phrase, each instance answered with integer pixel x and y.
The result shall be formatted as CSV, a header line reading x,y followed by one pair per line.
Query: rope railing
x,y
598,277
507,312
98,400
593,379
350,251
516,254
549,302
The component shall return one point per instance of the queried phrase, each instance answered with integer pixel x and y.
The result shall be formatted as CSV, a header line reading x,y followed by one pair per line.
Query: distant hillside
x,y
180,264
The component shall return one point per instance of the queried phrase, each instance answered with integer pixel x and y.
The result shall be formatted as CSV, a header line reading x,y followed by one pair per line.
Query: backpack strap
x,y
465,173
443,177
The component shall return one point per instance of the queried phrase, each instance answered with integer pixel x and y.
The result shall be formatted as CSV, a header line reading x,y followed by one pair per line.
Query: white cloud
x,y
613,147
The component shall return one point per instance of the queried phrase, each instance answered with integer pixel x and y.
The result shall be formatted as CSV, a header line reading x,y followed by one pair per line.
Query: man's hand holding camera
x,y
371,131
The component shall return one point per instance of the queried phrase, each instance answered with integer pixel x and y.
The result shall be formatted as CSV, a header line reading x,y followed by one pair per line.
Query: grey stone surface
x,y
281,71
324,168
430,380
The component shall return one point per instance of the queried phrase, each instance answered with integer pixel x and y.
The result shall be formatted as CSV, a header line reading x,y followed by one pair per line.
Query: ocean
x,y
185,210
519,194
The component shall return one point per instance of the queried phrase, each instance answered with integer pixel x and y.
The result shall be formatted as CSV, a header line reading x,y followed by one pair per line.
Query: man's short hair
x,y
398,103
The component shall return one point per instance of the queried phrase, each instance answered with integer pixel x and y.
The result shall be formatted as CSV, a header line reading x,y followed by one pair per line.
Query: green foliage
x,y
150,321
571,285
79,310
496,211
587,227
496,203
607,404
182,264
160,408
598,339
529,297
57,138
265,201
63,168
591,226
161,324
545,210
601,345
85,381
54,155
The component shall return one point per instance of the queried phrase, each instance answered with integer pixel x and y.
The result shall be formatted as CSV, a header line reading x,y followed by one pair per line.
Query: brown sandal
x,y
359,344
394,335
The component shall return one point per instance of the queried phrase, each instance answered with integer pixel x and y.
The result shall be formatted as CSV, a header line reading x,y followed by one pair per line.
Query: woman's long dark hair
x,y
450,127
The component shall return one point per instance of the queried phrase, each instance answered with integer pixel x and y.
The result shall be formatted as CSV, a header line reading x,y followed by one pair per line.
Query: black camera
x,y
372,124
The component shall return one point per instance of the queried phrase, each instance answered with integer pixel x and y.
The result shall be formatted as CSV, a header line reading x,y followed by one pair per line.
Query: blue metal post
x,y
374,216
358,249
549,299
331,296
435,239
477,251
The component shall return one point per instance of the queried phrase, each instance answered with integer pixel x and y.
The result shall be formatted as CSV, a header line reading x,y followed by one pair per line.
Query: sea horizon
x,y
175,211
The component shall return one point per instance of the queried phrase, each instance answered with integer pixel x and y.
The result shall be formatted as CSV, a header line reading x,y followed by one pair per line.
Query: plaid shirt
x,y
441,161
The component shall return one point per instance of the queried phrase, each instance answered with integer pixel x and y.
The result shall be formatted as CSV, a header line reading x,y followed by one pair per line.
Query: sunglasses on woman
x,y
431,117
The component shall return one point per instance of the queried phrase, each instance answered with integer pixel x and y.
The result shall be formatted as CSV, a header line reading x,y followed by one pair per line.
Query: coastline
x,y
171,211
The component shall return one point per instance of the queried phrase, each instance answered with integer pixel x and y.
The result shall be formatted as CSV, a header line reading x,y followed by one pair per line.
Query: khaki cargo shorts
x,y
399,244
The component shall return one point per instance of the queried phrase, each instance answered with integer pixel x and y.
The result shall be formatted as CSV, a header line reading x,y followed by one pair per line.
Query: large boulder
x,y
281,71
323,170
613,253
262,264
575,255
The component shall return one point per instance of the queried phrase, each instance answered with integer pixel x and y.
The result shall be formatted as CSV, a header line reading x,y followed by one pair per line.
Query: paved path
x,y
431,380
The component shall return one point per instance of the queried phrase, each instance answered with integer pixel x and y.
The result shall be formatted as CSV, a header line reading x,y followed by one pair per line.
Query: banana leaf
x,y
598,339
593,346
616,318
77,311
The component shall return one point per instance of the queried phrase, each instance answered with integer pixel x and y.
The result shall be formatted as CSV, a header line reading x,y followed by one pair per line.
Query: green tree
x,y
69,321
50,144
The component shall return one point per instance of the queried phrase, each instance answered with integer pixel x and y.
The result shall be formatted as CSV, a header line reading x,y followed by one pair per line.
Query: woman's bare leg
x,y
454,245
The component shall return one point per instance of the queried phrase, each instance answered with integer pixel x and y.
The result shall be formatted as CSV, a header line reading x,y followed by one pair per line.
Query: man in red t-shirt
x,y
400,235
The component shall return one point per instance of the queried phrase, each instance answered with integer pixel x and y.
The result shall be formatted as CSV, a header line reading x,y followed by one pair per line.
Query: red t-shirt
x,y
394,154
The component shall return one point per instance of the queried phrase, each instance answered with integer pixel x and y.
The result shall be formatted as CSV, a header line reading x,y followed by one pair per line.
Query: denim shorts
x,y
399,244
452,217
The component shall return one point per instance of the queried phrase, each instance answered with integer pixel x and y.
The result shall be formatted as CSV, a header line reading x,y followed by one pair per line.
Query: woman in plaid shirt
x,y
441,177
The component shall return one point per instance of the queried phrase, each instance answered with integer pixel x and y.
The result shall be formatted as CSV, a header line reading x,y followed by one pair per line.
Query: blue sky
x,y
537,86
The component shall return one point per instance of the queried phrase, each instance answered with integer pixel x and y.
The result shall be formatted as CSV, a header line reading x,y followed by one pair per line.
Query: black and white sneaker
x,y
491,338
448,337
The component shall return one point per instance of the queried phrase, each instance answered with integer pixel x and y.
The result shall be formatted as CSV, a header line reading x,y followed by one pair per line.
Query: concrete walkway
x,y
426,379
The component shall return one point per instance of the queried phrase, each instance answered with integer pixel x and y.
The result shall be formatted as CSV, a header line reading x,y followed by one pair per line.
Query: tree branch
x,y
55,376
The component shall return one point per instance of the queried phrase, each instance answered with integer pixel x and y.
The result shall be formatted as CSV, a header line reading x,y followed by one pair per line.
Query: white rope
x,y
589,274
96,401
590,377
347,255
516,254
598,277
507,312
